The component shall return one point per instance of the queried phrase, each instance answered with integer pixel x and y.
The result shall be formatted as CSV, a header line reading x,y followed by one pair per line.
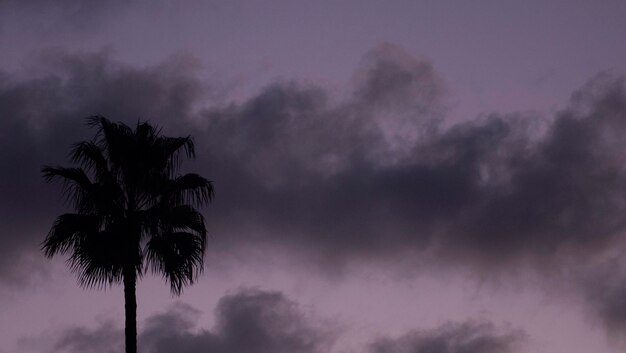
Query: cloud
x,y
468,337
252,320
333,180
494,192
390,79
42,116
249,320
603,289
563,195
65,14
106,338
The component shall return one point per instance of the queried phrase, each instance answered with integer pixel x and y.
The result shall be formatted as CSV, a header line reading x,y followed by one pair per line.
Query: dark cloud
x,y
363,177
493,191
329,176
41,117
64,14
390,79
468,337
247,321
106,338
251,320
562,196
604,294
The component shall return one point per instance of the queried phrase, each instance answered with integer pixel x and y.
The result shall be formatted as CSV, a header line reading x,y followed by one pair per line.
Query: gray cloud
x,y
489,191
267,322
247,321
390,79
564,195
499,193
364,177
604,295
65,14
42,117
106,338
468,337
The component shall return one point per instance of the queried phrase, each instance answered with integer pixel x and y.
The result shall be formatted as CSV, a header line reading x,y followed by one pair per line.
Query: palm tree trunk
x,y
130,308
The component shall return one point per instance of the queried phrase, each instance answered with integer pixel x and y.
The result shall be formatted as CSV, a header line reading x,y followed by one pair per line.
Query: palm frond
x,y
85,196
99,258
170,149
117,139
76,183
178,257
68,231
173,145
185,218
146,132
129,205
192,189
75,175
90,156
163,218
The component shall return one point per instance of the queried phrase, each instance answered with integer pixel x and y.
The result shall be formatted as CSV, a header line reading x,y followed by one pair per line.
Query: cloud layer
x,y
369,175
468,337
251,320
246,321
43,116
496,191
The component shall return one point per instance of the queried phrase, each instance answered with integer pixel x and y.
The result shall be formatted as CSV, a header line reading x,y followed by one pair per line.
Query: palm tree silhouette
x,y
132,212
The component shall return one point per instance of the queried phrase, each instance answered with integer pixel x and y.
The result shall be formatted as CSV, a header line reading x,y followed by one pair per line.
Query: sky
x,y
390,176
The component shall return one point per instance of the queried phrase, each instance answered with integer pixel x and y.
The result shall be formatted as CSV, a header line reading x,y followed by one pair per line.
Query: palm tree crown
x,y
132,210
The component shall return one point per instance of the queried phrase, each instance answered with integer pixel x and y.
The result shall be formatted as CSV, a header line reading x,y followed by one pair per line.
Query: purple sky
x,y
391,176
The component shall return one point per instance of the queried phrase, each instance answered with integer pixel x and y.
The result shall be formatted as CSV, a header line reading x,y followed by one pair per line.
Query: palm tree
x,y
132,212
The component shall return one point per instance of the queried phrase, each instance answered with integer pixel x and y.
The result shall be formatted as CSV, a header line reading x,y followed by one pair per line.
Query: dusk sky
x,y
390,176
